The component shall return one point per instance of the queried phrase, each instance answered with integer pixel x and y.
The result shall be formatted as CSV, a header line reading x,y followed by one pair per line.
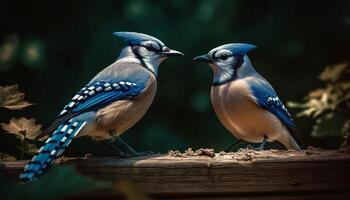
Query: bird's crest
x,y
136,38
236,48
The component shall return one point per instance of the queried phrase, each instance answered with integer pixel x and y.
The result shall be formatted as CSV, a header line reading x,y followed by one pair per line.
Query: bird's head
x,y
147,49
228,61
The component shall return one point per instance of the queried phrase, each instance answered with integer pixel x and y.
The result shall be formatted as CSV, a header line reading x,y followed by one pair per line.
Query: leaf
x,y
315,107
11,98
60,182
328,125
333,73
6,157
22,128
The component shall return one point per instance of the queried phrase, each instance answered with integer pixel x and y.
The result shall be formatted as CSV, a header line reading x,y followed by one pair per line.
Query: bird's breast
x,y
237,110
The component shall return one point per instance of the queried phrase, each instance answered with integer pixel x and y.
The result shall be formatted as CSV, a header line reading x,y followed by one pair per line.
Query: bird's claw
x,y
250,147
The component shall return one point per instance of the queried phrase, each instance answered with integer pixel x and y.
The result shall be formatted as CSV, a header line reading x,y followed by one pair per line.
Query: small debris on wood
x,y
310,150
251,155
189,152
64,159
248,154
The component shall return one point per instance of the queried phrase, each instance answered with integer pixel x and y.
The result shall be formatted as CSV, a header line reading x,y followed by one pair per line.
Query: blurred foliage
x,y
60,182
29,52
8,51
330,105
26,130
11,98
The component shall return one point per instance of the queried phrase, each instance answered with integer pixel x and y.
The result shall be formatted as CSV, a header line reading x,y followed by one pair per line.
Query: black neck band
x,y
138,56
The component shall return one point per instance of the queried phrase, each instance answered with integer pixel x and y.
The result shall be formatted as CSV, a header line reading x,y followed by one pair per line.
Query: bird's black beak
x,y
203,58
171,53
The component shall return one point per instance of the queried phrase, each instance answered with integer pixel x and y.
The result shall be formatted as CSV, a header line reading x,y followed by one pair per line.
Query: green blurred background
x,y
54,48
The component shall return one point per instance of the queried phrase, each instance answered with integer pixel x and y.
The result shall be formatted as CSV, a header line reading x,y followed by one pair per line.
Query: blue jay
x,y
112,102
245,103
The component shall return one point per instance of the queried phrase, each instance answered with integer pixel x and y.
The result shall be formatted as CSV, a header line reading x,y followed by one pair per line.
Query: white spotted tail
x,y
51,150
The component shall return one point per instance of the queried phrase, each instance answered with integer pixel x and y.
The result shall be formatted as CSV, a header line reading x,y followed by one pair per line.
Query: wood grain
x,y
274,174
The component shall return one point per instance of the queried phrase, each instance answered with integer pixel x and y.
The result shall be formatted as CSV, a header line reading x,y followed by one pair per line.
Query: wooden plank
x,y
266,173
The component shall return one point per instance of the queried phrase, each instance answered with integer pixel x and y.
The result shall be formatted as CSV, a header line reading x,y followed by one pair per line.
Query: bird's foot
x,y
259,148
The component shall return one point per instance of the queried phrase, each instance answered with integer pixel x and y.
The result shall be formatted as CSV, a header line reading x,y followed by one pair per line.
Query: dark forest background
x,y
60,46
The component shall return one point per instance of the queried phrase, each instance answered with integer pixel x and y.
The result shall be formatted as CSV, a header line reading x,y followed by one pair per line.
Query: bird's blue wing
x,y
95,96
100,94
267,98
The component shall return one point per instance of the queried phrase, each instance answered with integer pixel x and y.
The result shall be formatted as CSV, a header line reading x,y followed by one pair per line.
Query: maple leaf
x,y
23,128
11,98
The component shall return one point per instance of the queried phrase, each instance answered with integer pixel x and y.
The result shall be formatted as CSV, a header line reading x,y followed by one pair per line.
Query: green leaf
x,y
58,183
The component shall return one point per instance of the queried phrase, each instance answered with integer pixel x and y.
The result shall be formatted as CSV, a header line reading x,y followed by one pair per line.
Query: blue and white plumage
x,y
113,101
245,103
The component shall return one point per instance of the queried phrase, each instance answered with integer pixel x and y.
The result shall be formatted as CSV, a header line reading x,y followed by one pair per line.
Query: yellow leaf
x,y
12,99
22,128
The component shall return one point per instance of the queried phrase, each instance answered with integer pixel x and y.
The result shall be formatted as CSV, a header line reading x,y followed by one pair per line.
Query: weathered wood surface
x,y
314,174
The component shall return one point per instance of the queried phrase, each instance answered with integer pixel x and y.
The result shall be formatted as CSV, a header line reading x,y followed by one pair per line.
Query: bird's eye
x,y
150,47
224,56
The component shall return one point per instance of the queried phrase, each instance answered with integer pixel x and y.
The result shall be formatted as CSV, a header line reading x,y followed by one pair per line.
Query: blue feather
x,y
136,38
100,94
268,99
240,49
52,149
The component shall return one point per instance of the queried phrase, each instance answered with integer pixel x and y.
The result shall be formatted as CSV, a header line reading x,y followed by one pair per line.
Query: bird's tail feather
x,y
294,143
51,150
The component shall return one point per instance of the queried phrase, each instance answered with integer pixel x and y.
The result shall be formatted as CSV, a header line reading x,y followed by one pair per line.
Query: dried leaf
x,y
333,73
23,128
326,103
315,107
11,98
6,157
